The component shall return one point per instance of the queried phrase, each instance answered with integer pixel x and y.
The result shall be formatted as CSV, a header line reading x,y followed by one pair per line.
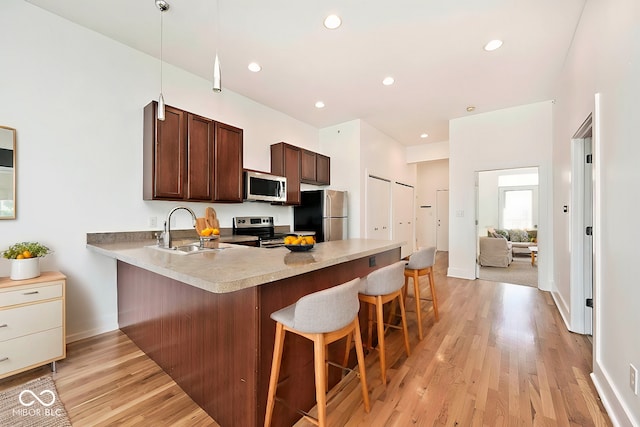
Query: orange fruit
x,y
206,232
20,256
216,231
26,254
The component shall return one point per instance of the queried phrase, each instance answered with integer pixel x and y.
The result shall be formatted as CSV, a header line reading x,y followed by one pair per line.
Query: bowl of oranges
x,y
299,242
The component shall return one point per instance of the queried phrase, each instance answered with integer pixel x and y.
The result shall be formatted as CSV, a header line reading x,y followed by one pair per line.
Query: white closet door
x,y
378,208
403,217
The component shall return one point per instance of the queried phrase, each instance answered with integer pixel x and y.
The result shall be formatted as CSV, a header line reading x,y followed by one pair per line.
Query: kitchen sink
x,y
187,249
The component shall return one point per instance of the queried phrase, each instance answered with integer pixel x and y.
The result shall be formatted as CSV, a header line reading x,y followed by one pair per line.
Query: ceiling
x,y
432,48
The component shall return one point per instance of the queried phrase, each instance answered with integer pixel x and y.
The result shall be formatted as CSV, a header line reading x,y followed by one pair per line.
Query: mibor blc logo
x,y
37,405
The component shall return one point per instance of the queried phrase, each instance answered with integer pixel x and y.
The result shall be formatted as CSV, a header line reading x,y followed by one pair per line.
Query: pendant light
x,y
217,76
163,6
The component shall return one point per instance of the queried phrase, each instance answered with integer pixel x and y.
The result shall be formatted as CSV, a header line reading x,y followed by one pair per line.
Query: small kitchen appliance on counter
x,y
260,226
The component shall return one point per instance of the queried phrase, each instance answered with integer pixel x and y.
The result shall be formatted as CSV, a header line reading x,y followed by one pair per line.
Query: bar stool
x,y
380,287
420,264
322,317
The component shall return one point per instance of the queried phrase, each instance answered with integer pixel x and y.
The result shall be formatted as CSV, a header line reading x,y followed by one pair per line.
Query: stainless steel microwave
x,y
264,187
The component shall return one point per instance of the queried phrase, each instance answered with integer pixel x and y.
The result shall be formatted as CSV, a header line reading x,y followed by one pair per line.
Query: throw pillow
x,y
518,235
503,233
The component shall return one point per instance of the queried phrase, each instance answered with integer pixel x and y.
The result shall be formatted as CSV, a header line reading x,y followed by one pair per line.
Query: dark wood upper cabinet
x,y
190,157
285,161
199,157
228,163
315,168
164,153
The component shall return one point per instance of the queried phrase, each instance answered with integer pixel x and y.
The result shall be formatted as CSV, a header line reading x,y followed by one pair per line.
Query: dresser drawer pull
x,y
4,325
30,293
4,359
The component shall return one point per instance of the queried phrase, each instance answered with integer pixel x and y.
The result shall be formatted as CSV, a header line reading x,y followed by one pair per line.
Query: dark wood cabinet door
x,y
164,152
308,168
190,157
228,164
199,157
323,169
285,161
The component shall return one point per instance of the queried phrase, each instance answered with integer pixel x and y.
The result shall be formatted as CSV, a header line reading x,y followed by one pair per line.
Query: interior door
x,y
403,217
588,238
442,220
378,208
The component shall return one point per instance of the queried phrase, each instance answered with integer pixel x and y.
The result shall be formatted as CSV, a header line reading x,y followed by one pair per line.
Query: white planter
x,y
25,268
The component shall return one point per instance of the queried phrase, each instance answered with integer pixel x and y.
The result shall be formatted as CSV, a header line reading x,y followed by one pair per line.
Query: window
x,y
517,209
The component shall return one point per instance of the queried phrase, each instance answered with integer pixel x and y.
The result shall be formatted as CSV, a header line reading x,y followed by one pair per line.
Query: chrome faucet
x,y
165,237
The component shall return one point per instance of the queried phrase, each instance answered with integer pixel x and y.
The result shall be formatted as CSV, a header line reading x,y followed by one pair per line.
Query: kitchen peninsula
x,y
204,318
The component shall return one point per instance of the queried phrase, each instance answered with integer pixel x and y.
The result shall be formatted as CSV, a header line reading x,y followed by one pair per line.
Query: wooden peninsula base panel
x,y
218,346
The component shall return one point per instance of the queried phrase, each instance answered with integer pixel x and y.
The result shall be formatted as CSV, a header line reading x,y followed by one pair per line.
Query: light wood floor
x,y
499,356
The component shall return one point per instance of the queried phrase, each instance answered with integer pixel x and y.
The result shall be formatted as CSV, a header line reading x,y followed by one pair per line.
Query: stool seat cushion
x,y
422,258
323,311
385,280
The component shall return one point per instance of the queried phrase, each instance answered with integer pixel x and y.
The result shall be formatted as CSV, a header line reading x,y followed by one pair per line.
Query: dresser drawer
x,y
30,350
33,293
28,319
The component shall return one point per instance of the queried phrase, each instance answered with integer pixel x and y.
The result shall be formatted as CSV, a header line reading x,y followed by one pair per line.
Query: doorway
x,y
507,205
582,262
442,220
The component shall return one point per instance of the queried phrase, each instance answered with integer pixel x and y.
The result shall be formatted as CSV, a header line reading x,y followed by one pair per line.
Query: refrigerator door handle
x,y
327,205
328,232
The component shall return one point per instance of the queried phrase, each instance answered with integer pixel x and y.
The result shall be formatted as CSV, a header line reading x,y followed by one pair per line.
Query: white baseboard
x,y
461,273
563,308
109,325
618,411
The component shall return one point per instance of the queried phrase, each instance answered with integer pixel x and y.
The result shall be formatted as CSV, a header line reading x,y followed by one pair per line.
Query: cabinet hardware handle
x,y
4,359
4,325
30,293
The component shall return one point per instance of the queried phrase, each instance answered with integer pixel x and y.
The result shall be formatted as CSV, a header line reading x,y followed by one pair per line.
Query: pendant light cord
x,y
161,47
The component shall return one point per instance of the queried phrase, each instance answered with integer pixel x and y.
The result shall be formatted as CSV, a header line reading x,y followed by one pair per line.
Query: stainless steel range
x,y
261,226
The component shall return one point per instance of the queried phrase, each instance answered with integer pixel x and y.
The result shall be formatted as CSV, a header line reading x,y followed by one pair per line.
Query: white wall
x,y
428,152
504,139
431,177
342,144
384,157
488,204
605,59
76,100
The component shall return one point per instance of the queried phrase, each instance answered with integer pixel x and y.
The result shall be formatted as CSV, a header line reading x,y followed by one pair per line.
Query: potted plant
x,y
25,259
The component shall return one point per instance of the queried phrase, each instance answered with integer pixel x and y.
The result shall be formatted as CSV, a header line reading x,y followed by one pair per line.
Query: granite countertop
x,y
234,267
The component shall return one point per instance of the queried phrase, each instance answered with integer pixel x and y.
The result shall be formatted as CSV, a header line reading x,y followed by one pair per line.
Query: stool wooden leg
x,y
319,363
275,372
370,328
361,367
432,283
382,353
416,295
347,350
405,331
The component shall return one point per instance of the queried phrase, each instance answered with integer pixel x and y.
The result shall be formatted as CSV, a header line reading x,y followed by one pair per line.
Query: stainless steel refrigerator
x,y
322,211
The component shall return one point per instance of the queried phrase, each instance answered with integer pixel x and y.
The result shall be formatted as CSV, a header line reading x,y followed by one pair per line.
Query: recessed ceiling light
x,y
471,108
388,81
255,67
492,45
319,104
332,22
424,135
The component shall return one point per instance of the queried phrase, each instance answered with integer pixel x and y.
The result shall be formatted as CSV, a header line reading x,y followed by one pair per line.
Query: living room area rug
x,y
33,404
519,272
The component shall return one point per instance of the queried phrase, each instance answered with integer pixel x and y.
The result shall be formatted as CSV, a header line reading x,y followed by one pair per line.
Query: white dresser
x,y
32,322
